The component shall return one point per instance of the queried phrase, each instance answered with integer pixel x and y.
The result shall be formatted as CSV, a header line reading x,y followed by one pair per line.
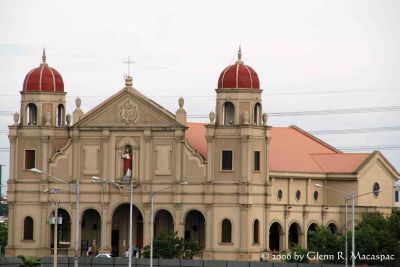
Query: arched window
x,y
28,228
229,113
60,115
226,231
256,230
31,114
257,114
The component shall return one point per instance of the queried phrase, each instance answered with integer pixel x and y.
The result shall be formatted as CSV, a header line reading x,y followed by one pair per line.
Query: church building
x,y
235,184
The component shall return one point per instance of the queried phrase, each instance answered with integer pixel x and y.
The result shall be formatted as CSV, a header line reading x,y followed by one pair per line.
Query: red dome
x,y
43,78
238,75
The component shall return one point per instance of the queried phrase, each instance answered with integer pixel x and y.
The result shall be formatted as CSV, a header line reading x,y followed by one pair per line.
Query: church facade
x,y
235,184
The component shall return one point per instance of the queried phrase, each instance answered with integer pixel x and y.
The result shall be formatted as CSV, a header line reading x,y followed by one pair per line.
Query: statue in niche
x,y
127,158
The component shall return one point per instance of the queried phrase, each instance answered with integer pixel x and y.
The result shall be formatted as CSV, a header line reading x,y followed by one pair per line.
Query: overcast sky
x,y
309,55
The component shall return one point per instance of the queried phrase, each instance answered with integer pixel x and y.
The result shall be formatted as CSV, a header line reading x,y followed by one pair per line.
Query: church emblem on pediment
x,y
129,112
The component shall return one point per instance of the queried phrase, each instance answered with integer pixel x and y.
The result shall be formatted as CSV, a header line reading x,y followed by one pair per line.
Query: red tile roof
x,y
292,150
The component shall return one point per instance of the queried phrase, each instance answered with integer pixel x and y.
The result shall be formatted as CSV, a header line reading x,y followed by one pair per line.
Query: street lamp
x,y
96,179
349,196
77,190
152,194
56,204
346,195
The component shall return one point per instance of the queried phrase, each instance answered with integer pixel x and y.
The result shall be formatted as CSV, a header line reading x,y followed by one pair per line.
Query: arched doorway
x,y
275,236
294,235
91,231
63,232
312,228
195,227
120,229
333,228
163,222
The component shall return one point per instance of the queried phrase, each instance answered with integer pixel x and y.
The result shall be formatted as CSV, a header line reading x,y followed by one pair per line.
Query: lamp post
x,y
130,188
77,191
152,194
349,196
56,203
346,198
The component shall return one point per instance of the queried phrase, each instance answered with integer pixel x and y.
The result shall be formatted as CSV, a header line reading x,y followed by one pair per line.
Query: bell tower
x,y
43,97
237,139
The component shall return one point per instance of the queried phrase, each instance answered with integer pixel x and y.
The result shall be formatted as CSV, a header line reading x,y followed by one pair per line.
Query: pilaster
x,y
210,154
147,154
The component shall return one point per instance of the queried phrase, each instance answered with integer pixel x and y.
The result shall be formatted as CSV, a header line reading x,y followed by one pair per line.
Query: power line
x,y
267,92
356,130
321,112
370,148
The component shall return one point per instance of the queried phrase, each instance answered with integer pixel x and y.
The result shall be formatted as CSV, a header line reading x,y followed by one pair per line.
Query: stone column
x,y
73,225
45,152
11,230
147,155
177,222
42,237
76,155
178,155
209,247
106,229
285,233
244,159
305,230
210,155
105,138
243,230
146,224
13,158
266,226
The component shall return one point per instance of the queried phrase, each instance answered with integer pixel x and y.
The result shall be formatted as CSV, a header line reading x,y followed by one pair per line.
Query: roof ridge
x,y
342,153
314,138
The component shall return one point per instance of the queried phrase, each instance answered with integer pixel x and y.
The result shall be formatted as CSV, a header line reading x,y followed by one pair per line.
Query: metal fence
x,y
123,262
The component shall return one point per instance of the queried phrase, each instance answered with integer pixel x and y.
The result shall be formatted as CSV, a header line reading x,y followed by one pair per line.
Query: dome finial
x,y
44,63
44,55
239,54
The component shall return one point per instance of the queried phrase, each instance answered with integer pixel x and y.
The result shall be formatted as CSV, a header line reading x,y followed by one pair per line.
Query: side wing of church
x,y
236,185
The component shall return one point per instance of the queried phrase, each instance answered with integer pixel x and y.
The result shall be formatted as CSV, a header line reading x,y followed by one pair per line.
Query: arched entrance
x,y
120,229
312,228
275,236
163,222
63,232
195,227
91,231
333,228
294,235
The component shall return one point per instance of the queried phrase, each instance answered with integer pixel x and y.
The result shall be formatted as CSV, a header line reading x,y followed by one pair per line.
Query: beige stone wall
x,y
163,158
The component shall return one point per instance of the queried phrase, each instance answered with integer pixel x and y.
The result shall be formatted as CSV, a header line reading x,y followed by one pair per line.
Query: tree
x,y
377,235
29,261
170,246
3,237
323,241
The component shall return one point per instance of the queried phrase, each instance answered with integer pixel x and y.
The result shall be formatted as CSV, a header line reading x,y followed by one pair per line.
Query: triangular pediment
x,y
128,108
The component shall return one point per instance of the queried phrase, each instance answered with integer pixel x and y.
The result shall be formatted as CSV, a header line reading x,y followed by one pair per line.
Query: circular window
x,y
298,195
376,189
316,195
280,194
